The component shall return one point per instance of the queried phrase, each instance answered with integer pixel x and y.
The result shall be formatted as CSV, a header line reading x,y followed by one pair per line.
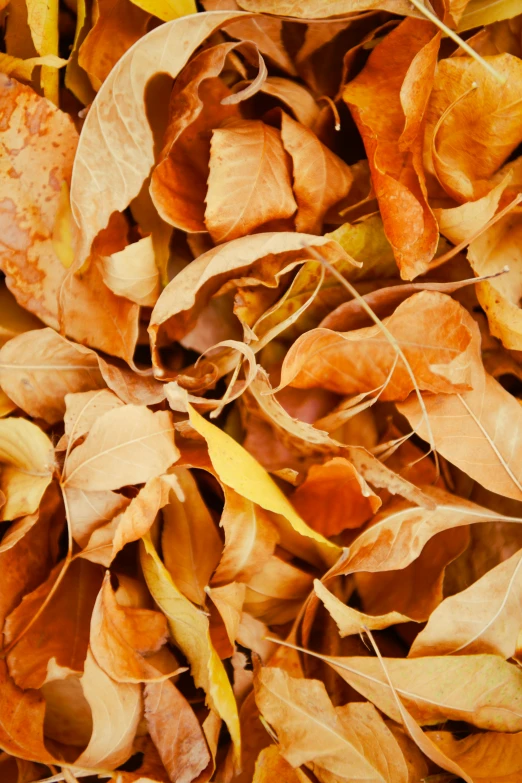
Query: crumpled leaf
x,y
93,194
388,104
468,144
321,179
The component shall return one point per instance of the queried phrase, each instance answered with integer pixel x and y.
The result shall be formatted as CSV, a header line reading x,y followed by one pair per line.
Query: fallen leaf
x,y
438,688
27,456
482,619
116,711
487,758
343,362
93,195
132,273
465,144
271,765
38,368
321,179
190,631
175,731
251,190
310,731
126,445
393,138
61,630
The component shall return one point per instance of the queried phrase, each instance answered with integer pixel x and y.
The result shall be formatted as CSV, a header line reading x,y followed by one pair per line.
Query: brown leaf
x,y
315,9
249,182
320,178
367,359
61,631
175,731
334,497
488,417
435,689
387,101
116,711
270,765
482,619
179,180
120,636
487,758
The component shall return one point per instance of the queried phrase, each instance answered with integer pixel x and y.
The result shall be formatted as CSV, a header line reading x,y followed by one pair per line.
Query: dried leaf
x,y
132,273
127,445
27,456
398,78
38,368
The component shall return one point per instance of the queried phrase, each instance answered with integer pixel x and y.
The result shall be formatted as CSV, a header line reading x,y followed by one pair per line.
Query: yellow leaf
x,y
23,69
167,10
27,455
190,631
484,12
42,17
63,228
240,471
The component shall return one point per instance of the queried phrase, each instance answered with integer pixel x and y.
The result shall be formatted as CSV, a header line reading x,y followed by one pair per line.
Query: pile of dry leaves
x,y
260,391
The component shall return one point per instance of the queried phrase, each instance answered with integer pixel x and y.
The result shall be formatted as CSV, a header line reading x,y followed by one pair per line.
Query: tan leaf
x,y
38,368
116,711
476,430
270,765
130,524
387,100
180,303
132,273
311,732
121,635
250,539
315,9
224,624
294,96
179,179
87,511
366,360
485,618
190,541
175,731
350,621
94,196
439,688
321,179
127,445
487,758
275,594
27,456
249,181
